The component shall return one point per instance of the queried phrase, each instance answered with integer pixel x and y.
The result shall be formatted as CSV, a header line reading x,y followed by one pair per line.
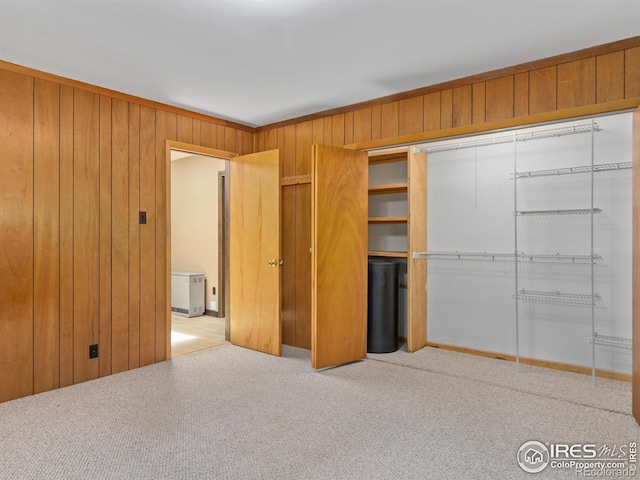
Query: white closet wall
x,y
471,204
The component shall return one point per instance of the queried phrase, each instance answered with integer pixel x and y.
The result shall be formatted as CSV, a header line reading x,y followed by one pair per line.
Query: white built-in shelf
x,y
380,253
557,297
388,157
569,211
379,220
610,341
603,167
511,138
388,189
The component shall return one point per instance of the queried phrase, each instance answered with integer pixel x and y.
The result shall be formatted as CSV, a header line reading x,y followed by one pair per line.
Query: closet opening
x,y
529,235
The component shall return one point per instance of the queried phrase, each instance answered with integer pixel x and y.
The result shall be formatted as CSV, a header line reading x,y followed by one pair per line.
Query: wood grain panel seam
x,y
624,74
33,241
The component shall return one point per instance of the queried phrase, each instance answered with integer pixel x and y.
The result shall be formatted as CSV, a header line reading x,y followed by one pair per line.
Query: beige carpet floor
x,y
231,413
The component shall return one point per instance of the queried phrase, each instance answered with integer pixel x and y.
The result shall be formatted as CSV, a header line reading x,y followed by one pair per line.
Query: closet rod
x,y
579,259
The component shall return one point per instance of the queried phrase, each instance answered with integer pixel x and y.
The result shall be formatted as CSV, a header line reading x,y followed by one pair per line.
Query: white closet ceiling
x,y
262,61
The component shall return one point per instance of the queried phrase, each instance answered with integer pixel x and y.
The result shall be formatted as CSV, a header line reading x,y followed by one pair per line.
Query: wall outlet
x,y
93,351
213,305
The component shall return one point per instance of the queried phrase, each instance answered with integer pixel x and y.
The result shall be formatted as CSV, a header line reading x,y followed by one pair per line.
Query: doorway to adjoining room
x,y
197,252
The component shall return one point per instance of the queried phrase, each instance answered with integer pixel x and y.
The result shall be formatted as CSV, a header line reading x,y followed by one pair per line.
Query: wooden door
x,y
339,256
254,251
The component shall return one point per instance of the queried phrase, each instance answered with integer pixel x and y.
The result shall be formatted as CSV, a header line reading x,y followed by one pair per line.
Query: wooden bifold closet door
x,y
339,212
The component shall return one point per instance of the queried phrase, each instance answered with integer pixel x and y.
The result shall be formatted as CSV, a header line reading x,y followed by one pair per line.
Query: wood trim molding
x,y
12,67
512,70
197,149
534,362
569,113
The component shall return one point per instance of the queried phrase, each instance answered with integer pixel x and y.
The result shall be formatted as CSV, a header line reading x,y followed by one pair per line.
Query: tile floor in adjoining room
x,y
195,333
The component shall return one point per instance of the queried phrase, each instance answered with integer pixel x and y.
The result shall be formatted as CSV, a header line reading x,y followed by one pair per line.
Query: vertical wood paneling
x,y
446,109
86,232
362,125
521,94
479,108
577,83
289,151
16,236
247,142
105,236
148,236
66,236
462,106
348,128
303,264
229,139
120,237
542,90
166,129
389,119
337,130
134,235
632,72
240,143
376,122
327,130
431,114
410,116
304,135
220,137
499,98
271,139
46,215
209,135
288,294
197,132
185,129
610,77
259,144
318,131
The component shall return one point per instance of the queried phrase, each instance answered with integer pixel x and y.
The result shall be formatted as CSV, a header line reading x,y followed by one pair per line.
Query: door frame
x,y
208,152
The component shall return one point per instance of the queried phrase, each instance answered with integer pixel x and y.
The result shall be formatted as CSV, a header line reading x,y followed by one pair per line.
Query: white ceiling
x,y
262,61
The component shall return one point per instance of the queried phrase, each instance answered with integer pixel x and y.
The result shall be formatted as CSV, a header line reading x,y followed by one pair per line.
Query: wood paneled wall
x,y
588,77
77,164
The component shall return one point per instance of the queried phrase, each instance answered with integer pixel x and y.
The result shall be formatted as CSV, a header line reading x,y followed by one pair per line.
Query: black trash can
x,y
382,306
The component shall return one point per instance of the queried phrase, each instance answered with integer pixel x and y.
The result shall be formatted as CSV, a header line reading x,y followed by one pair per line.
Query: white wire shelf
x,y
521,256
557,297
609,341
509,138
604,167
570,211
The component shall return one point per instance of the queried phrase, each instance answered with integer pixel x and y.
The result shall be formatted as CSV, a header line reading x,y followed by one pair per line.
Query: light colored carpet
x,y
607,394
231,413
